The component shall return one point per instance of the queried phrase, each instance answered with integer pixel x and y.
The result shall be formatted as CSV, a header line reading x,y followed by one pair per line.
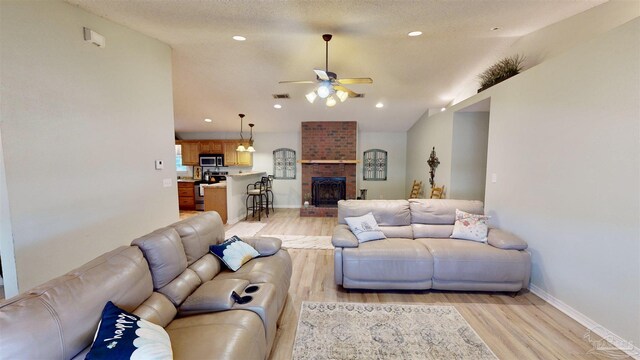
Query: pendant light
x,y
240,145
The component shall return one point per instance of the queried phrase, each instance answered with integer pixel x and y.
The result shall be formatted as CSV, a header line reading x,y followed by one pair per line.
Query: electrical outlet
x,y
159,164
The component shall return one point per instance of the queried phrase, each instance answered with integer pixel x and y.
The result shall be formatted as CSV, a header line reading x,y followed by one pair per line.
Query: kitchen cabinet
x,y
186,196
190,152
234,158
211,147
215,199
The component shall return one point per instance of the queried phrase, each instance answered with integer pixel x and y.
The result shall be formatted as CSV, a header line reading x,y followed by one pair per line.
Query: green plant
x,y
307,197
500,71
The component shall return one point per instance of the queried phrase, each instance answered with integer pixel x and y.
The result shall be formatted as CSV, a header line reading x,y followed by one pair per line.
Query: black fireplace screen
x,y
327,191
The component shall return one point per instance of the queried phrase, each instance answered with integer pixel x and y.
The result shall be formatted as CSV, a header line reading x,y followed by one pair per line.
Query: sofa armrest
x,y
505,240
343,237
266,246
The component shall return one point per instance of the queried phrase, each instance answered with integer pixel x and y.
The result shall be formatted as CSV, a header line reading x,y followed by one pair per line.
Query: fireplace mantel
x,y
329,161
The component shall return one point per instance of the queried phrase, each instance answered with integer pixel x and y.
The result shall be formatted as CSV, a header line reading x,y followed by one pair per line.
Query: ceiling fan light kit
x,y
329,86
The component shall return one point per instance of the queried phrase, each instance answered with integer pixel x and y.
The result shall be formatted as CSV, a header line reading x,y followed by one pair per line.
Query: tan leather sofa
x,y
167,277
418,253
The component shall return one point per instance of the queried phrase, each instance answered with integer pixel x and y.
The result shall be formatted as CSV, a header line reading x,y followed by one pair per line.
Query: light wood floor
x,y
520,327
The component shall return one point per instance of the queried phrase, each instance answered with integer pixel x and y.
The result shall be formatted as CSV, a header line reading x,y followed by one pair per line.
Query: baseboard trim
x,y
615,340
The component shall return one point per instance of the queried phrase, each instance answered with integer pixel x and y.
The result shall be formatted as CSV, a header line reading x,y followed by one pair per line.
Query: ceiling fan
x,y
329,86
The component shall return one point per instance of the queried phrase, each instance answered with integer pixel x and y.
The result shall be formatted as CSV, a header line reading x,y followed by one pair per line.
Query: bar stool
x,y
268,181
256,192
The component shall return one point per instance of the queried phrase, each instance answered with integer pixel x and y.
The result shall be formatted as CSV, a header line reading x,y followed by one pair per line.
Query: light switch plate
x,y
159,164
166,182
494,177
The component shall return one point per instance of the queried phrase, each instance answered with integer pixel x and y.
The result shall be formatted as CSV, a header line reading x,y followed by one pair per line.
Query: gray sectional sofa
x,y
167,277
418,253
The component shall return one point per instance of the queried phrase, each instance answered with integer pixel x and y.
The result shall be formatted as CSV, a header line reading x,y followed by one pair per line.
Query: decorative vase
x,y
306,204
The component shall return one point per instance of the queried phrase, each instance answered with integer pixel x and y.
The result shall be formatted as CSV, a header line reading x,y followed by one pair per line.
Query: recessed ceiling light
x,y
415,33
379,105
495,28
277,106
208,120
239,38
443,109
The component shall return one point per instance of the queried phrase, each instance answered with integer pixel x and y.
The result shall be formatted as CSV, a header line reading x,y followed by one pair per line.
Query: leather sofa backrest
x,y
441,211
165,254
434,218
386,212
59,318
198,233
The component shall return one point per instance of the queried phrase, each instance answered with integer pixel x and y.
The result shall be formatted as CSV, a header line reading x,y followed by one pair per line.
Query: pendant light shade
x,y
241,147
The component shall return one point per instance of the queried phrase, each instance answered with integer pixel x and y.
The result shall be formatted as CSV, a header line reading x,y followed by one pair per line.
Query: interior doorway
x,y
469,151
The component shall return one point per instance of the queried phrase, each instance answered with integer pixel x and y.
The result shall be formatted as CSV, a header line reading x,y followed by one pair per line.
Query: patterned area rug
x,y
385,331
244,229
304,242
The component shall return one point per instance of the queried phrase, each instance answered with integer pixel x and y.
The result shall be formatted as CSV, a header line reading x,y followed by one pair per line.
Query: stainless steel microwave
x,y
211,160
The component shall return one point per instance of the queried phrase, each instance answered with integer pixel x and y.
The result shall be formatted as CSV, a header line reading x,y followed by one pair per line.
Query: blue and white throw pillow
x,y
234,252
365,228
122,335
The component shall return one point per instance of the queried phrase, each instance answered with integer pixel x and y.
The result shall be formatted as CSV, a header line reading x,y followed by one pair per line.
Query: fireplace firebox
x,y
327,191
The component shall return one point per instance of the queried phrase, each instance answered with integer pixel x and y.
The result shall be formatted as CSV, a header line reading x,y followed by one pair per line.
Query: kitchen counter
x,y
186,180
248,173
237,193
222,185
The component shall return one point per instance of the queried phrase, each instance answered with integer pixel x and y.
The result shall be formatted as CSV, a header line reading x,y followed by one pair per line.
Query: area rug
x,y
385,331
304,241
244,229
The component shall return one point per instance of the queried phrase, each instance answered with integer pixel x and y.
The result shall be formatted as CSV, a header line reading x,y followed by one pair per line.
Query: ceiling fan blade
x,y
348,81
297,82
322,75
348,91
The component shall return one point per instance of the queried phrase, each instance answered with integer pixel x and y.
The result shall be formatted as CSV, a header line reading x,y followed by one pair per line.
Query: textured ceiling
x,y
216,77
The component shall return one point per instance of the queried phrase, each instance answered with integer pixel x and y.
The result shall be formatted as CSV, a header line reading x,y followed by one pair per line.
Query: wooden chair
x,y
415,189
437,192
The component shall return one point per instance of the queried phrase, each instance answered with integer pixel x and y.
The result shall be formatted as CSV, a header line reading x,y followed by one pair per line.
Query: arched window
x,y
374,165
284,163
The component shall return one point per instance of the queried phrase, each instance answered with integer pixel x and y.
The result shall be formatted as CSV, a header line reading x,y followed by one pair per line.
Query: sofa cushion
x,y
214,295
474,261
206,267
386,212
165,254
158,309
431,231
226,335
198,233
470,227
441,211
391,259
404,231
61,316
181,287
122,335
234,252
364,227
343,237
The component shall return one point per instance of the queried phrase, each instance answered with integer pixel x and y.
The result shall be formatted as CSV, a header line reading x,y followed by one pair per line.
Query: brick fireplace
x,y
328,152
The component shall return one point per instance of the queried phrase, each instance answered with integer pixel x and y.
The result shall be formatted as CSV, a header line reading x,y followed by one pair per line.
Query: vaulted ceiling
x,y
217,77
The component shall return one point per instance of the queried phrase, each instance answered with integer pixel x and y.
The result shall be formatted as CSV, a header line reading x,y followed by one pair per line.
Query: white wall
x,y
563,142
81,128
427,132
469,155
395,144
550,41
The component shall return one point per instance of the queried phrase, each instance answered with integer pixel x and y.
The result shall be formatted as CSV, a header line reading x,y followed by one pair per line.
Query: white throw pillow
x,y
470,227
365,228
